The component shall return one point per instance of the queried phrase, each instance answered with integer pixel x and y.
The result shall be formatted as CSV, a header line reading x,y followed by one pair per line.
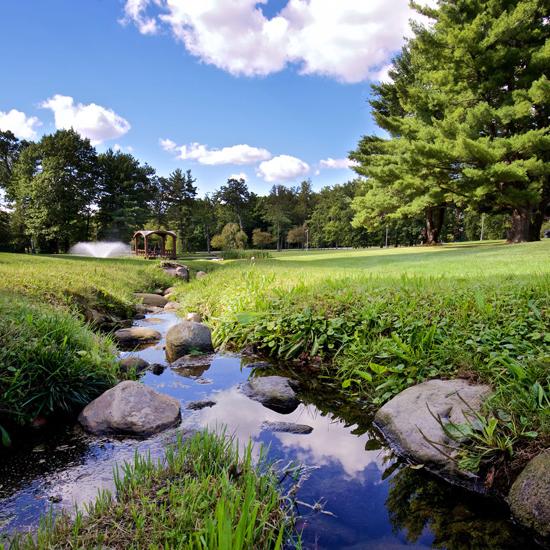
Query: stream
x,y
375,500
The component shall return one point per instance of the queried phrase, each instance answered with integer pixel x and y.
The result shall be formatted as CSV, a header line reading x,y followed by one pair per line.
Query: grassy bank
x,y
382,320
205,495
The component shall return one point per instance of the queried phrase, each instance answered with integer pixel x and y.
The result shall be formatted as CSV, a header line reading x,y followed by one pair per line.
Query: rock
x,y
139,316
131,362
182,273
157,368
158,291
193,366
407,423
186,337
195,317
154,320
273,392
151,299
529,496
198,405
169,290
135,336
130,408
142,309
172,306
96,317
286,427
200,274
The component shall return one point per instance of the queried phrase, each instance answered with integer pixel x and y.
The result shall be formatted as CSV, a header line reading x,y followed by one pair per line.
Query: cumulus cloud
x,y
348,40
239,176
333,164
235,154
92,121
22,126
282,168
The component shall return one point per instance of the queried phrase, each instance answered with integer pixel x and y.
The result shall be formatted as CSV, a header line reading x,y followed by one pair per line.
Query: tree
x,y
485,63
10,149
180,196
231,238
297,235
278,206
261,238
126,191
159,200
236,197
54,185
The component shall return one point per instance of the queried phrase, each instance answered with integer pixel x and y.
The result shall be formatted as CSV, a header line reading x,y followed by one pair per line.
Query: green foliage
x,y
50,362
205,495
231,238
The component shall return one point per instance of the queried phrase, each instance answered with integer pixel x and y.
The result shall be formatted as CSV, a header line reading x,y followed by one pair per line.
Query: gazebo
x,y
142,244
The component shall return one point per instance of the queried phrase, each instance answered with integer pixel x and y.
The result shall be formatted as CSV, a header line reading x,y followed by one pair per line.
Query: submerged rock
x,y
258,365
157,368
287,427
130,408
135,336
529,496
186,337
151,299
198,405
132,362
407,421
273,392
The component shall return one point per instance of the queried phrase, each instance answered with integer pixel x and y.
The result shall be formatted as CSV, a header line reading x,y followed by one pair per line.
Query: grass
x,y
382,320
204,495
50,363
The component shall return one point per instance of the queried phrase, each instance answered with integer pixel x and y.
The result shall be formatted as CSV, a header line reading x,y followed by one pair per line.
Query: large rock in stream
x,y
129,338
154,300
409,422
274,392
529,496
130,408
187,337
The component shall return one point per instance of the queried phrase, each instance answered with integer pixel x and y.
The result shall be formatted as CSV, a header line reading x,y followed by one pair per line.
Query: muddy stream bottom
x,y
376,500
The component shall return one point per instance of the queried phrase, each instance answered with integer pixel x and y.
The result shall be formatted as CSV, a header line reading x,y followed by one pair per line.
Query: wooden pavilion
x,y
143,245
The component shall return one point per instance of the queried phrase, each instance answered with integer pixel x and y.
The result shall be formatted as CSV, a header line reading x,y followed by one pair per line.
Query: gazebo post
x,y
163,245
174,247
146,246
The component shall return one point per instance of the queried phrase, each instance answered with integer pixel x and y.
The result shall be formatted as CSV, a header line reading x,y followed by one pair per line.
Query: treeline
x,y
60,191
467,121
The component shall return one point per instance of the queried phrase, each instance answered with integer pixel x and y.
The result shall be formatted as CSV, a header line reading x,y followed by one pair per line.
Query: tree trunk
x,y
435,216
521,225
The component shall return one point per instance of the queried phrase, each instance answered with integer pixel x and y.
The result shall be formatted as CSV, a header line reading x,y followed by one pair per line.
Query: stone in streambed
x,y
172,306
407,421
273,392
286,427
187,337
130,408
169,290
151,299
132,362
193,316
529,496
142,309
136,336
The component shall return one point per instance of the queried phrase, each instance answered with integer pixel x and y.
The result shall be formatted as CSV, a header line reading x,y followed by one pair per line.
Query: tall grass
x,y
205,495
50,362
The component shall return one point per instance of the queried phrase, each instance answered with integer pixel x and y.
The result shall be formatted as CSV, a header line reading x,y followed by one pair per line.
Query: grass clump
x,y
50,362
204,495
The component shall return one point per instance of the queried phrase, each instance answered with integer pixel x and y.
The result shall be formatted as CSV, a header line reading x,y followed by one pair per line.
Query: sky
x,y
274,91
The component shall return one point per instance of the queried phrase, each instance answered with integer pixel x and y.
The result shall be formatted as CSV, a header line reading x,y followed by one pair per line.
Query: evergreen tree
x,y
180,196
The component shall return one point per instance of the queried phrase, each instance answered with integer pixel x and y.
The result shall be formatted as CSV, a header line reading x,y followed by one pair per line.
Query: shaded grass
x,y
205,495
50,362
384,320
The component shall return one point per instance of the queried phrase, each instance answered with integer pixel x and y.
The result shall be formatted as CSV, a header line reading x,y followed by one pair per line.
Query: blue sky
x,y
216,73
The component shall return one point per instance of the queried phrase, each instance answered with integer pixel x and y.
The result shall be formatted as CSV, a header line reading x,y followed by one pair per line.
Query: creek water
x,y
375,500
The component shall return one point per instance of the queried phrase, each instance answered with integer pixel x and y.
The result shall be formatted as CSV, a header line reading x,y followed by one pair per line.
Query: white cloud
x,y
92,121
236,154
117,147
239,176
335,164
22,126
282,168
349,40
